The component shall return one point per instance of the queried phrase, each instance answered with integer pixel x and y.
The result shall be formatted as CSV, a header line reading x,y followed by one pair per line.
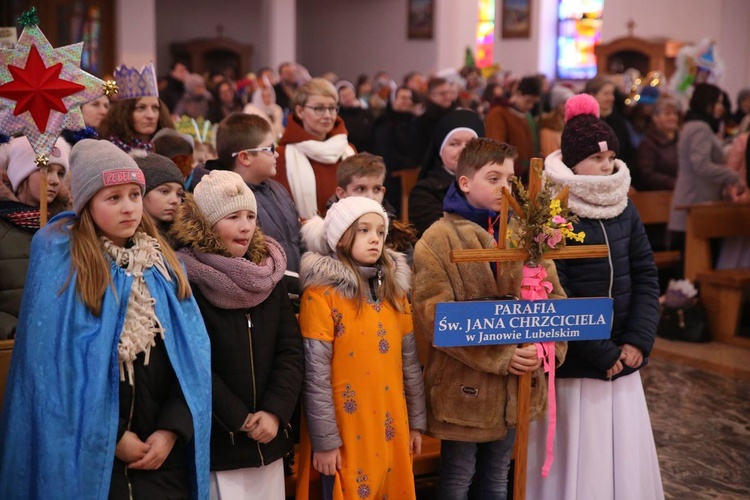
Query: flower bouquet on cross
x,y
539,222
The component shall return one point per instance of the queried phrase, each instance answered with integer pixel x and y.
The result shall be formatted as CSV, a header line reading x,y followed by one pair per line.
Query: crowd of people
x,y
185,318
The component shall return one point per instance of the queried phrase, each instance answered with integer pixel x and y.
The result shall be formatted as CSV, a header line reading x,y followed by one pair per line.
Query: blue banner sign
x,y
521,321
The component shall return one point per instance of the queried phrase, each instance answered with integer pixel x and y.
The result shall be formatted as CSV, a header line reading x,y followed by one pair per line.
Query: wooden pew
x,y
654,207
721,290
6,350
408,178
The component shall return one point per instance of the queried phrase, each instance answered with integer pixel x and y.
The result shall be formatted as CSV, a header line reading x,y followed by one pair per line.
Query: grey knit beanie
x,y
98,164
159,170
220,193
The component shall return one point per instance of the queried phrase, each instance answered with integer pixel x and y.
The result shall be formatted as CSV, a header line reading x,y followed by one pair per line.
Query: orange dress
x,y
368,395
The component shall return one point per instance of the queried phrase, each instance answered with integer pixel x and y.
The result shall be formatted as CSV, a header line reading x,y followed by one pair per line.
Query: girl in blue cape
x,y
109,391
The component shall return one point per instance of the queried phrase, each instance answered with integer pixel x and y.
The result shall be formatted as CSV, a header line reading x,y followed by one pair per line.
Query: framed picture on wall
x,y
420,19
516,18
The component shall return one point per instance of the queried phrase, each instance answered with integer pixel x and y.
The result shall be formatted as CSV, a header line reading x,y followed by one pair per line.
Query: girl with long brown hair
x,y
109,388
363,395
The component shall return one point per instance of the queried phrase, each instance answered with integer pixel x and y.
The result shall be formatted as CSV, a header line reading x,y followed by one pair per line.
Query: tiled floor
x,y
700,419
701,424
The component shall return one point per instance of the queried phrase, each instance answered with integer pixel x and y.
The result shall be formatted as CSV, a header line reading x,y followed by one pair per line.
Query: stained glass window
x,y
485,43
579,29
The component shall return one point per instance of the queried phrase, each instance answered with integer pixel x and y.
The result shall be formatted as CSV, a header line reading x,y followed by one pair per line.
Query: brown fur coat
x,y
451,412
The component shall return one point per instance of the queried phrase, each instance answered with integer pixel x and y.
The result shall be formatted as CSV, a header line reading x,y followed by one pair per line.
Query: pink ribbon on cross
x,y
533,284
534,287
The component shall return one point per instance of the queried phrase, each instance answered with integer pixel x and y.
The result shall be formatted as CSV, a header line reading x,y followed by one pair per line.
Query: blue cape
x,y
61,406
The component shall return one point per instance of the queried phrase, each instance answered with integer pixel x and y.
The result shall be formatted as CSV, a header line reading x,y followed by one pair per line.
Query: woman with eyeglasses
x,y
314,143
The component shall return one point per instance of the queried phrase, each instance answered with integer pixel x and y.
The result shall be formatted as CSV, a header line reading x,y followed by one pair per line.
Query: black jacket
x,y
254,368
426,199
633,278
358,123
393,139
155,402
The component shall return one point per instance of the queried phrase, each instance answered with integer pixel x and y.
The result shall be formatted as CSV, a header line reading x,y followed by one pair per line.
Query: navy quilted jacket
x,y
629,276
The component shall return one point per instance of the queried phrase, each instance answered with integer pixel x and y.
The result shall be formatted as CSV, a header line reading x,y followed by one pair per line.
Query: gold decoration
x,y
110,88
42,160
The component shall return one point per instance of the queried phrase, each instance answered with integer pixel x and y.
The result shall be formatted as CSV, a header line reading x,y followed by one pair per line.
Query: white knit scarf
x,y
141,324
300,173
592,196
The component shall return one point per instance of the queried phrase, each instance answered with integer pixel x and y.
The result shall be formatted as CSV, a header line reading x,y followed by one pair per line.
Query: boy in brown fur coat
x,y
471,391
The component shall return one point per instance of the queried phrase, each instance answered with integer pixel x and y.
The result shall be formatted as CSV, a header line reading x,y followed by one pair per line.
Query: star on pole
x,y
42,89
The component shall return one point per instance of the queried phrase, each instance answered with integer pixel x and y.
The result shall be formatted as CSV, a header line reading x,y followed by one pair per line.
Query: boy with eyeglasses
x,y
245,145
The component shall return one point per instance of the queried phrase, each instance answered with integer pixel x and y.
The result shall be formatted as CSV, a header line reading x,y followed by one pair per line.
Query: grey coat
x,y
702,171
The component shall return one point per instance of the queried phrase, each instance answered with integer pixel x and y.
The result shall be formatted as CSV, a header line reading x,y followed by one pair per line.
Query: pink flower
x,y
539,238
557,219
554,238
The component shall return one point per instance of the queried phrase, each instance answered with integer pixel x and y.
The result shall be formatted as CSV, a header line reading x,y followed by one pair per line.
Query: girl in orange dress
x,y
363,393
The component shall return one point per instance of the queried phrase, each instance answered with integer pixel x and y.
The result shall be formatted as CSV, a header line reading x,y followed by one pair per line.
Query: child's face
x,y
453,148
262,163
117,211
236,231
369,239
161,202
602,163
484,189
369,187
55,177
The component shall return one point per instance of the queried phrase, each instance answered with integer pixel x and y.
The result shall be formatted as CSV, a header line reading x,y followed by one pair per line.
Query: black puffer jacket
x,y
257,358
628,275
257,368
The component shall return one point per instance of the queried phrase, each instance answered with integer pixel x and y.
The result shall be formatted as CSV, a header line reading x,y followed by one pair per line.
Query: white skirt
x,y
604,446
251,483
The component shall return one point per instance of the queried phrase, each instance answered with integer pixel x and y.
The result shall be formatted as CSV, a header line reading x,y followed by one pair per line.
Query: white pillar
x,y
281,31
135,42
455,29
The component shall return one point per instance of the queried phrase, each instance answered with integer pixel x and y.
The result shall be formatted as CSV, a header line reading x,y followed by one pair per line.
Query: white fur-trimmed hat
x,y
22,159
220,193
345,212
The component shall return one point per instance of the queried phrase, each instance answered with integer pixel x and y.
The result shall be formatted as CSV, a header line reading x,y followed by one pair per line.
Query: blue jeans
x,y
461,462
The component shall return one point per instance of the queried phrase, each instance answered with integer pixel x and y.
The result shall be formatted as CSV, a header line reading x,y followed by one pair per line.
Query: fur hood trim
x,y
191,230
327,271
592,196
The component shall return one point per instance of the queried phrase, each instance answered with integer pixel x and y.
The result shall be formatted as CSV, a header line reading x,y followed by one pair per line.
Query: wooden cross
x,y
631,27
501,254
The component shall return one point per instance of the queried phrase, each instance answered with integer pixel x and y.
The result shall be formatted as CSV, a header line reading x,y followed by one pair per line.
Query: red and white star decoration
x,y
42,89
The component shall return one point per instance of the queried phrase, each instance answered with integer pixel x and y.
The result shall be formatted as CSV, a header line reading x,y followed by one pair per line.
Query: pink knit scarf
x,y
235,282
